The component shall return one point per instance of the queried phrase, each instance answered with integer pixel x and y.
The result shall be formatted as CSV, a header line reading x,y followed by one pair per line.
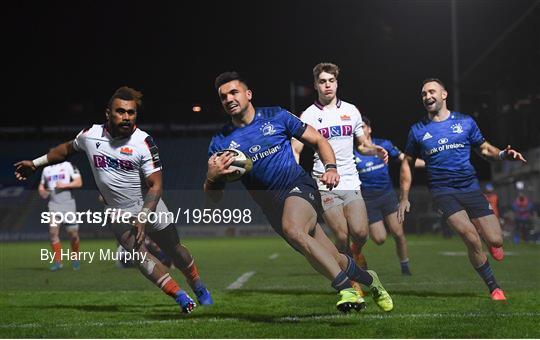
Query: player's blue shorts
x,y
474,203
380,206
304,187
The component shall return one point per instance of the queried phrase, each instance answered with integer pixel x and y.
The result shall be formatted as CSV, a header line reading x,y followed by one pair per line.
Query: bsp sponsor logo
x,y
442,141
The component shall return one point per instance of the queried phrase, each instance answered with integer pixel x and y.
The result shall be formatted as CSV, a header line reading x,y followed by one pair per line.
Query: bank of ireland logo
x,y
268,129
368,164
254,148
442,141
457,128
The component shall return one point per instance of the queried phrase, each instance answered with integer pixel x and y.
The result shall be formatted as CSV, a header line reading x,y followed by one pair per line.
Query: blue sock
x,y
357,274
404,265
198,286
341,281
486,274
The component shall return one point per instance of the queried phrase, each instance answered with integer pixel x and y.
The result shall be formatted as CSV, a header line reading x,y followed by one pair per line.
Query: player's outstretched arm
x,y
218,167
58,154
418,163
493,153
366,147
331,177
297,147
405,181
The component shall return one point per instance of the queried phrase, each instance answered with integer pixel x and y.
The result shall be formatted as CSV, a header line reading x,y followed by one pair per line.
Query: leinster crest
x,y
268,129
457,128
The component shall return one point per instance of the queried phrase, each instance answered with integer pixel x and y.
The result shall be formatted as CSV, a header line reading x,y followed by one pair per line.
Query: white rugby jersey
x,y
340,125
62,173
119,164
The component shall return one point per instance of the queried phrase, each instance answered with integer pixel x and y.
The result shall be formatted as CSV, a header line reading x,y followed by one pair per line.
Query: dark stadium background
x,y
63,60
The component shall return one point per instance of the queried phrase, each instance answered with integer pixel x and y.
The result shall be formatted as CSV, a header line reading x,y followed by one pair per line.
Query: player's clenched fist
x,y
330,178
218,166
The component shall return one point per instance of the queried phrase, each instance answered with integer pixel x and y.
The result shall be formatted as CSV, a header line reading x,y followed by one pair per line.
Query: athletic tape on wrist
x,y
330,166
41,161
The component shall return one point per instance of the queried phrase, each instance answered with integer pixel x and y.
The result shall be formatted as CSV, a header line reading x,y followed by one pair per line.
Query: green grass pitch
x,y
285,298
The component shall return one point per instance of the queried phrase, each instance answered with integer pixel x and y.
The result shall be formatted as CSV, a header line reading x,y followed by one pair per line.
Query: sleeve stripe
x,y
153,151
298,134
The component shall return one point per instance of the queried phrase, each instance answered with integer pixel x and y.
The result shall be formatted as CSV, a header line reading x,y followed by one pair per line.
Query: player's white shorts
x,y
334,198
347,191
157,221
68,211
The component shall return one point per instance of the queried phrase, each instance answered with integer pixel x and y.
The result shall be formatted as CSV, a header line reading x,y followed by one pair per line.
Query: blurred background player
x,y
340,123
380,197
125,163
443,139
56,184
287,195
493,199
523,216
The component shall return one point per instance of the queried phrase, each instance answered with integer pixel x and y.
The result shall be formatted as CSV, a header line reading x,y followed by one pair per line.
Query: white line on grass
x,y
379,316
413,316
240,281
463,253
273,256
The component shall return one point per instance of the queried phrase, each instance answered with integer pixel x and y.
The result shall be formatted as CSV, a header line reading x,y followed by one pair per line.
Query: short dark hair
x,y
325,67
127,93
228,76
366,120
435,80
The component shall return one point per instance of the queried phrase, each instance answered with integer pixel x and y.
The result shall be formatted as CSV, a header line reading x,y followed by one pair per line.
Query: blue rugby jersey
x,y
446,148
372,170
267,140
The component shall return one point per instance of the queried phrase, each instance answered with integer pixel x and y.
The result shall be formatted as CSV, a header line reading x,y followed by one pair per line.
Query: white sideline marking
x,y
457,282
273,256
241,280
379,316
411,316
464,253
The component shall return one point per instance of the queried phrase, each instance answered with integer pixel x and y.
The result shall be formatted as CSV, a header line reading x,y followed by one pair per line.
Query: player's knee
x,y
398,235
342,238
378,239
74,237
295,237
473,239
360,236
497,242
147,266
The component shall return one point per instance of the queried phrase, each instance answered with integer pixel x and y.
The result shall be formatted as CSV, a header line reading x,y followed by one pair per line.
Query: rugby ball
x,y
242,164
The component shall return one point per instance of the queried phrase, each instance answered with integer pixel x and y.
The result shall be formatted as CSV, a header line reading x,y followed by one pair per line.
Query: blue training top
x,y
446,148
267,140
373,172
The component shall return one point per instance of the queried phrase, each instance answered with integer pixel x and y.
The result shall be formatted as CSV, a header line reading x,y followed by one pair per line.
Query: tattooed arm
x,y
154,182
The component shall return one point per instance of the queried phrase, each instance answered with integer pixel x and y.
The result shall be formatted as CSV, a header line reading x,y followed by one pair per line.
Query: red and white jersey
x,y
340,125
61,173
119,165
